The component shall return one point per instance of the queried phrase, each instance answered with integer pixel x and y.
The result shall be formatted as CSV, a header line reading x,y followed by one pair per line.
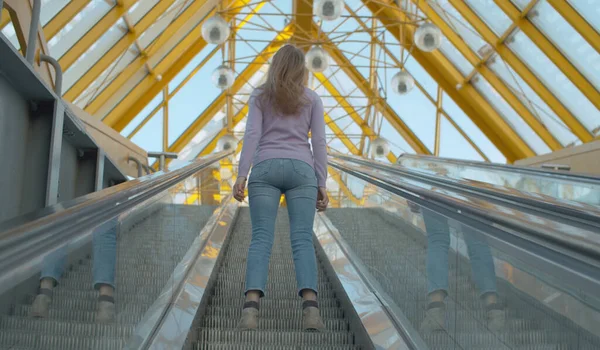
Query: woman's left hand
x,y
239,189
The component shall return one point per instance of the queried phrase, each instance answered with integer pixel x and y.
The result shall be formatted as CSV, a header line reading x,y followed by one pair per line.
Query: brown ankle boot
x,y
311,316
249,320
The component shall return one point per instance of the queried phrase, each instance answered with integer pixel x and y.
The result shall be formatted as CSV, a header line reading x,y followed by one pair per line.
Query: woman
x,y
281,114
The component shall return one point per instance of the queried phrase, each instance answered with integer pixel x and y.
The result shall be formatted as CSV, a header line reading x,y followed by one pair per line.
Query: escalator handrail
x,y
562,254
577,238
548,173
569,209
28,237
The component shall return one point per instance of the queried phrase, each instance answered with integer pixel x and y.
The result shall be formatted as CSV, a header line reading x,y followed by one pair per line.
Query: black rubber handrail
x,y
27,238
569,253
575,213
548,173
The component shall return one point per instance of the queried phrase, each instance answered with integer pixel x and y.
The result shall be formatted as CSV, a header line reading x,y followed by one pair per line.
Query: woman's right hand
x,y
322,199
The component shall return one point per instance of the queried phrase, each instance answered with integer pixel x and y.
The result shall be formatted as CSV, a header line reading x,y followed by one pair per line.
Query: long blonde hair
x,y
286,79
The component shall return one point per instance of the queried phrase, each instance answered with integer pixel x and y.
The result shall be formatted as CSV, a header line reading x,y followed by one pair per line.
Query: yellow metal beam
x,y
94,34
163,40
168,68
522,70
385,109
113,54
240,81
578,22
303,10
339,133
63,17
468,99
348,108
551,51
507,94
5,20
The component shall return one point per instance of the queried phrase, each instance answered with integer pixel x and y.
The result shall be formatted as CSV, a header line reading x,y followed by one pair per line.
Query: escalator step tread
x,y
274,337
264,323
245,346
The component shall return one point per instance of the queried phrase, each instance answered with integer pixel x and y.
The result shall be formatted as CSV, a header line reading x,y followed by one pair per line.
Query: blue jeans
x,y
480,256
268,180
104,247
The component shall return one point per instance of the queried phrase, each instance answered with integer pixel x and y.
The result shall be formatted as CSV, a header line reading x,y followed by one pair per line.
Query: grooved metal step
x,y
146,257
280,314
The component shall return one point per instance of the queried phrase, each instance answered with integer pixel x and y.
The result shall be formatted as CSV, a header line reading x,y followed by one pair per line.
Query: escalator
x,y
146,255
281,310
401,251
181,269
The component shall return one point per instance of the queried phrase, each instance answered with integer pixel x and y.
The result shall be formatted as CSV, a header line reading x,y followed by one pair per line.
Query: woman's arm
x,y
319,144
251,137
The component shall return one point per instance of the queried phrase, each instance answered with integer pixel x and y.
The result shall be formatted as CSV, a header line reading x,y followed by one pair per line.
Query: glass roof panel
x,y
398,144
467,125
179,78
10,33
140,9
142,115
460,25
77,27
417,111
521,4
188,104
50,8
106,77
150,136
588,9
531,100
94,53
568,41
555,80
453,145
459,61
421,75
510,116
493,15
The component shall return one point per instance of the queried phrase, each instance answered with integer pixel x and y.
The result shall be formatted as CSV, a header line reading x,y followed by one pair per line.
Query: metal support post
x,y
166,119
57,72
438,122
162,157
55,153
100,170
33,31
139,165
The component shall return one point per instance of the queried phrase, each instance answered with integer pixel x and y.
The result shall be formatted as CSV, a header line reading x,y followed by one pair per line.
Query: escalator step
x,y
334,324
268,303
245,346
26,339
279,337
236,312
82,316
58,327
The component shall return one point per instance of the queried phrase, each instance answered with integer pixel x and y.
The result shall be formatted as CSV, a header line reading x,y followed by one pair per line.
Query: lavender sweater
x,y
273,136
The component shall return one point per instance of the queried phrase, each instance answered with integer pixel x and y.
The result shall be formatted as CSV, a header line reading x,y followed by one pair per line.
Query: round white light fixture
x,y
402,82
222,77
380,147
329,10
317,60
227,143
428,37
215,30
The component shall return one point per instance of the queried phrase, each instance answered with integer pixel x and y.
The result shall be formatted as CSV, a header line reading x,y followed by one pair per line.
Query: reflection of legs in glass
x,y
104,247
438,244
484,274
264,202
